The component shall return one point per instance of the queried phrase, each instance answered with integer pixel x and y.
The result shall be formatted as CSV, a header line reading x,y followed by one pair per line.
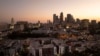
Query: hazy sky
x,y
34,10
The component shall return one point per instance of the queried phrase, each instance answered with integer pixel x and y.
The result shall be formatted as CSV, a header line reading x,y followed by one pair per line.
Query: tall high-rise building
x,y
12,23
69,19
55,19
61,17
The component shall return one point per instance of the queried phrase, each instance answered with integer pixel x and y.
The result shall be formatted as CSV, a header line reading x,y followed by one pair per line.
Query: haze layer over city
x,y
34,10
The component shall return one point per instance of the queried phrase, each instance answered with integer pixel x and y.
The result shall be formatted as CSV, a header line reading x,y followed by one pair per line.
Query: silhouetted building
x,y
93,21
69,19
78,21
93,27
61,17
85,23
55,19
12,23
98,25
93,24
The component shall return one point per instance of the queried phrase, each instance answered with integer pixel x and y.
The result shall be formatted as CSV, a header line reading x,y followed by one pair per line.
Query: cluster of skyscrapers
x,y
60,19
69,20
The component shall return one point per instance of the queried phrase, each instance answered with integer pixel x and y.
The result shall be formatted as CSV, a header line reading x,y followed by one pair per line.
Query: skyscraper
x,y
61,17
55,19
12,23
69,19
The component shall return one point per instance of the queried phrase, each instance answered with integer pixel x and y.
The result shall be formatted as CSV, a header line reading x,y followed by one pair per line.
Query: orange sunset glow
x,y
43,10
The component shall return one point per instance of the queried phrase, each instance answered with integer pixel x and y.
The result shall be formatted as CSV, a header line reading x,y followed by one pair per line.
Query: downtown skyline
x,y
43,10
